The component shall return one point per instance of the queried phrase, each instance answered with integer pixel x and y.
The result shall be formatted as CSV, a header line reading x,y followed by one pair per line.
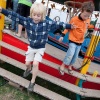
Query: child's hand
x,y
60,39
0,9
73,26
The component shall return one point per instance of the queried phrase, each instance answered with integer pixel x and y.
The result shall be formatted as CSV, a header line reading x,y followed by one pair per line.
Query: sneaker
x,y
26,73
31,87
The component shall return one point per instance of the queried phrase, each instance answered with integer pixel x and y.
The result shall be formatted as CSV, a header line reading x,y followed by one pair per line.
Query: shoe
x,y
70,71
26,73
31,87
61,71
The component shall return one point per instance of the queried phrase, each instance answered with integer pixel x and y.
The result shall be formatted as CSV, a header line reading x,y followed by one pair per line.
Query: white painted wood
x,y
38,89
53,65
59,82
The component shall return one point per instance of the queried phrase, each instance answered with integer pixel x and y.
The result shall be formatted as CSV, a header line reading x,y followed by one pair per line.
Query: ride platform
x,y
13,51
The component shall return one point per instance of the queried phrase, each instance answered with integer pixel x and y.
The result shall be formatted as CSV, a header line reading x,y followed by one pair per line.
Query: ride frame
x,y
89,53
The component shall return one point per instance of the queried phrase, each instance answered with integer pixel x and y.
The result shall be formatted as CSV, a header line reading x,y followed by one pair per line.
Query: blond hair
x,y
38,8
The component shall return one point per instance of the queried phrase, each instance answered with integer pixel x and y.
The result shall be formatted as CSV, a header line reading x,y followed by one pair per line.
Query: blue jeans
x,y
14,24
72,54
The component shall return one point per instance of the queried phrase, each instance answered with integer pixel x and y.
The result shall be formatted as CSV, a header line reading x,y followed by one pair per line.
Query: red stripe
x,y
91,58
97,29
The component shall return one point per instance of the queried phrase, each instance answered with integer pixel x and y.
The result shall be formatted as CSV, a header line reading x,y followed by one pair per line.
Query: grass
x,y
8,92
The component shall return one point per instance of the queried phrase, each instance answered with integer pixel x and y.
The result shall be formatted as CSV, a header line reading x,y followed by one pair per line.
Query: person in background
x,y
23,10
37,30
76,36
14,26
9,4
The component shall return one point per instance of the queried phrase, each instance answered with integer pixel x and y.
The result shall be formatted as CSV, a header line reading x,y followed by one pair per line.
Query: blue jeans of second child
x,y
14,25
72,54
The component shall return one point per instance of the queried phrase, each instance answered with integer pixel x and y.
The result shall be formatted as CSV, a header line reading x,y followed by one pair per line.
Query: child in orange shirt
x,y
76,36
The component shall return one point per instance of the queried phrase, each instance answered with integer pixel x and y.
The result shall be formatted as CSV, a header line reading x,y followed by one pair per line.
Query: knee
x,y
35,64
28,63
69,57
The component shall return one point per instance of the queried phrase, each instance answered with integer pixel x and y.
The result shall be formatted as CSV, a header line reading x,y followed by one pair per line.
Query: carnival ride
x,y
53,39
80,82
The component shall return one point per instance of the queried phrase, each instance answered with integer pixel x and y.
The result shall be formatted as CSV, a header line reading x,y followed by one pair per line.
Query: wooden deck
x,y
59,82
46,62
59,54
38,89
55,53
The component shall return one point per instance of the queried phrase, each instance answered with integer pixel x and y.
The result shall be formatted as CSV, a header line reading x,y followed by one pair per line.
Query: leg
x,y
25,35
28,69
70,71
68,57
34,74
74,58
35,71
15,5
61,69
37,58
19,30
77,50
26,14
21,11
29,58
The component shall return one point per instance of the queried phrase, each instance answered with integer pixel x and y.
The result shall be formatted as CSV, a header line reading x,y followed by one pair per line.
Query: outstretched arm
x,y
53,25
14,16
63,34
57,25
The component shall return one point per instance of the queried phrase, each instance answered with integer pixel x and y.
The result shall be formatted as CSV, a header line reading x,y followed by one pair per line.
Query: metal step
x,y
38,89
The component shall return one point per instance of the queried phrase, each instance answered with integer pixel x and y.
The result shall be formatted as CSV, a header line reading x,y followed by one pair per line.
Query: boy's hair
x,y
38,8
88,6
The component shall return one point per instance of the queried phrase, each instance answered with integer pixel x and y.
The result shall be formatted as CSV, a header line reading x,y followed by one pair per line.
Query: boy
x,y
76,36
37,30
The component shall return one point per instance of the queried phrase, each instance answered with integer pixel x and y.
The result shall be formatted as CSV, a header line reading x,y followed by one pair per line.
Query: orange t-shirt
x,y
77,35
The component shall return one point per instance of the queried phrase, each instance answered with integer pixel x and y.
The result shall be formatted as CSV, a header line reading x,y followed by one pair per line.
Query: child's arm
x,y
65,31
56,25
66,26
52,25
16,17
63,34
91,26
